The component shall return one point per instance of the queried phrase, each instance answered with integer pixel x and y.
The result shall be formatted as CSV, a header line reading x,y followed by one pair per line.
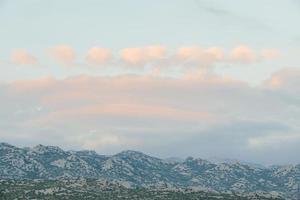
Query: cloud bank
x,y
205,115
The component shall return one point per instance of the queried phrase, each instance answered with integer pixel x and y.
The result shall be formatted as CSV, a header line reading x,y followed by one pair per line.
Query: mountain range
x,y
135,169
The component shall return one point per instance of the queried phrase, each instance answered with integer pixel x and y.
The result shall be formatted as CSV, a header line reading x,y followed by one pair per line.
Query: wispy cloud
x,y
63,53
203,5
23,57
243,54
231,15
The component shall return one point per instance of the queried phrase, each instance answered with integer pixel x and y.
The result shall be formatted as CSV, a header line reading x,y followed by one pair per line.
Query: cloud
x,y
155,59
285,79
63,54
98,56
270,54
203,113
272,141
243,54
22,57
198,56
38,84
120,110
216,52
94,140
143,55
193,56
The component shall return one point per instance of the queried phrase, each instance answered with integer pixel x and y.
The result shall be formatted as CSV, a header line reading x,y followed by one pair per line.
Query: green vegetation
x,y
94,189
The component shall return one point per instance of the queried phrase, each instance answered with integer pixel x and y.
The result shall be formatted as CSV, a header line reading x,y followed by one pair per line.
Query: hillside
x,y
136,170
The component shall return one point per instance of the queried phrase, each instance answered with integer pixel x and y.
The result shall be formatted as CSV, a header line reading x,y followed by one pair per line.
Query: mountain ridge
x,y
140,170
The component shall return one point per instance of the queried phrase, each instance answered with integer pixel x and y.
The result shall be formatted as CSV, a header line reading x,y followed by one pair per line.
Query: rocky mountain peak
x,y
41,149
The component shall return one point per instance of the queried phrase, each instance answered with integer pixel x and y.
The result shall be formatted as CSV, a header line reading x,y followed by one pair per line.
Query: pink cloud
x,y
63,53
155,52
270,54
142,55
156,57
126,105
199,56
40,84
121,110
132,55
243,54
23,57
288,79
98,56
216,52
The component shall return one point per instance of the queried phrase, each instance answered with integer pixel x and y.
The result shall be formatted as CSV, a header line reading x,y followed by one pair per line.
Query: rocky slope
x,y
84,189
135,169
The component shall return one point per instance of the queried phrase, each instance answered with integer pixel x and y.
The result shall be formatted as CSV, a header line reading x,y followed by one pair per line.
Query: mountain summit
x,y
140,170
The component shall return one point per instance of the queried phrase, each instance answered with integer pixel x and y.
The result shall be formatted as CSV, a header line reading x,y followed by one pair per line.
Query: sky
x,y
201,78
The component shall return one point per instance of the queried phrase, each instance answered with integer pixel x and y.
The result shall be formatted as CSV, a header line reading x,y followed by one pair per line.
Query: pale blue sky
x,y
35,24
